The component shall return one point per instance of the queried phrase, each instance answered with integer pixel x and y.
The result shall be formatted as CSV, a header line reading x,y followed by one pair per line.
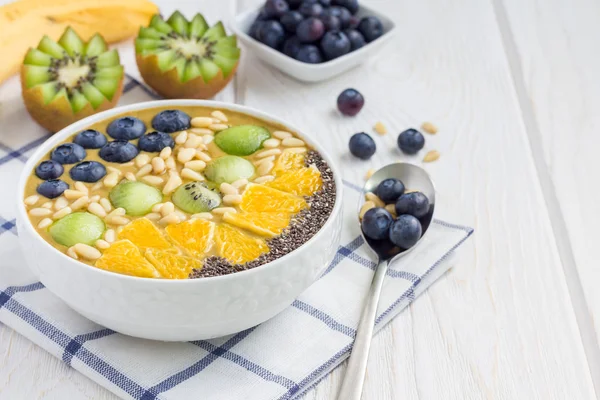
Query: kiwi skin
x,y
168,84
58,114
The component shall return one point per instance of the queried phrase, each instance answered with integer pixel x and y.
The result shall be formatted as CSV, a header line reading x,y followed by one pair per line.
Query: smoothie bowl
x,y
179,219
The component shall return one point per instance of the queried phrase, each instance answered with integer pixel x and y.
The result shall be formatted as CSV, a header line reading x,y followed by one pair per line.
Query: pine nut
x,y
95,198
170,163
240,183
102,244
141,160
206,139
282,135
193,142
271,143
113,170
105,204
153,180
313,167
48,205
180,215
191,174
153,216
44,223
158,165
268,153
223,210
71,253
265,168
219,115
373,197
117,212
165,153
167,209
97,186
369,173
96,209
202,131
110,181
227,188
156,208
204,215
202,122
181,138
117,221
264,160
130,176
380,128
173,183
433,155
365,207
169,219
145,170
218,127
391,209
203,156
39,212
61,213
110,235
429,128
80,203
232,199
264,179
186,155
292,142
31,200
196,165
127,164
81,187
87,252
297,150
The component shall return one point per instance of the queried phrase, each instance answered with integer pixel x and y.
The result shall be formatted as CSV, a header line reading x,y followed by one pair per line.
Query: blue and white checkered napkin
x,y
280,359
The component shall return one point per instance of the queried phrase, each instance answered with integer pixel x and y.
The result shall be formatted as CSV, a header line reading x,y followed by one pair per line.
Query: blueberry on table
x,y
309,54
271,33
290,20
88,171
291,47
170,121
357,40
49,169
405,231
90,139
310,30
414,203
350,5
350,102
335,44
331,22
389,190
154,142
376,223
52,188
118,151
275,8
310,9
371,28
411,141
68,153
362,145
126,128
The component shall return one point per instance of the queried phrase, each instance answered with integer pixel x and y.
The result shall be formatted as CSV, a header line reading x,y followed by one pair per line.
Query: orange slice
x,y
123,257
288,161
196,236
144,234
172,265
262,223
237,247
260,198
301,182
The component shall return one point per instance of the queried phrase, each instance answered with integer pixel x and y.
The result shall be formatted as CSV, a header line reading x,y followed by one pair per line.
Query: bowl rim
x,y
245,15
86,122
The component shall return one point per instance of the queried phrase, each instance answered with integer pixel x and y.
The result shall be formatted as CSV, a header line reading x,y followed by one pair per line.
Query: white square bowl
x,y
312,72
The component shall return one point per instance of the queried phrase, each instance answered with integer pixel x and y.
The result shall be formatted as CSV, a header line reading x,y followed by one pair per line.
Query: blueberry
x,y
371,28
253,31
342,13
350,102
310,30
356,39
88,171
290,20
68,153
291,47
310,54
90,139
118,151
362,145
275,8
271,33
331,22
126,128
405,231
52,188
310,9
263,15
335,44
389,190
170,121
154,142
414,203
325,3
376,223
350,5
49,169
411,141
294,4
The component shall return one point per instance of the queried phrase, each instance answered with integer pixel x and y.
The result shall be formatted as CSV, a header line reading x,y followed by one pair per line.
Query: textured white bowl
x,y
313,72
177,310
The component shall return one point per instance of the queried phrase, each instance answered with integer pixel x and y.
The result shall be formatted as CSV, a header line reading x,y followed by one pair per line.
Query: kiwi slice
x,y
136,198
195,197
242,140
228,169
79,227
70,79
186,59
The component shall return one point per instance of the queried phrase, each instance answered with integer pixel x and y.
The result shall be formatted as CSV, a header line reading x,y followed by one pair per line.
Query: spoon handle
x,y
357,365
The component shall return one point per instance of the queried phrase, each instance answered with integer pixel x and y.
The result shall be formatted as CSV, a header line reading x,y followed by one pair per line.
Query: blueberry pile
x,y
411,208
314,31
120,150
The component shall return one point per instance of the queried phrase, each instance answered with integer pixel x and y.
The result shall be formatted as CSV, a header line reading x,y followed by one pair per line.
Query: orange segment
x,y
123,257
301,182
144,234
260,198
196,236
262,223
236,246
172,265
288,161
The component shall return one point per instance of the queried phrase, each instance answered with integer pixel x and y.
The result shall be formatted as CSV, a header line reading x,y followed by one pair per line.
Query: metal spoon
x,y
414,178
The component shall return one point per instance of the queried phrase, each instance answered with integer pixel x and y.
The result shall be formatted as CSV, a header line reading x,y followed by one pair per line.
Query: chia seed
x,y
303,226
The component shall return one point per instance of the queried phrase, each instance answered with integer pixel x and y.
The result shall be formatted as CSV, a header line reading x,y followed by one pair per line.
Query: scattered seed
x,y
156,208
39,212
105,203
202,131
165,153
186,155
81,187
429,128
223,210
167,209
117,220
282,135
373,197
218,127
97,186
391,209
31,200
232,199
369,173
95,198
87,251
202,122
180,215
264,179
71,253
265,160
73,194
130,176
158,165
203,156
110,235
271,143
206,139
80,203
153,180
181,137
169,219
102,244
48,205
219,115
431,156
61,213
380,128
227,188
191,175
204,215
153,216
145,170
141,160
127,164
170,163
193,142
264,168
268,153
117,212
172,184
297,150
113,169
240,183
196,165
110,181
292,142
96,208
44,223
365,207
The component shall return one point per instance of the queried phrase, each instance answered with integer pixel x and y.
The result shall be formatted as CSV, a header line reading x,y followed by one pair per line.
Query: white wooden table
x,y
514,87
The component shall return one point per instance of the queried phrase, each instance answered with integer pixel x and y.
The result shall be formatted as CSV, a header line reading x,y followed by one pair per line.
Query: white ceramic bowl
x,y
313,72
178,310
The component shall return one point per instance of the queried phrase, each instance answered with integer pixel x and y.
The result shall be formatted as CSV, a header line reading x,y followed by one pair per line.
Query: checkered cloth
x,y
280,359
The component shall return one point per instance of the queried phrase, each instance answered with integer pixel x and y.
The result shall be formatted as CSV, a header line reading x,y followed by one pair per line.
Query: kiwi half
x,y
66,81
186,59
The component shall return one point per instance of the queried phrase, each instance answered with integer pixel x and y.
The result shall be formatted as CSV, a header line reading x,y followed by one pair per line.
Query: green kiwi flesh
x,y
195,197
